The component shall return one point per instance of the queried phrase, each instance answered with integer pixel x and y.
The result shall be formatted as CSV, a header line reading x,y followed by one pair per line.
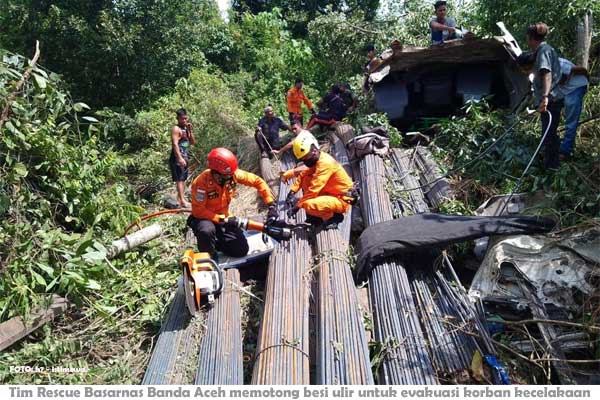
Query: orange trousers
x,y
325,206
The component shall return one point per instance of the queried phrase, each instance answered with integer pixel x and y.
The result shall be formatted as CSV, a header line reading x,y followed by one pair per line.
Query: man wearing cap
x,y
442,27
267,133
295,97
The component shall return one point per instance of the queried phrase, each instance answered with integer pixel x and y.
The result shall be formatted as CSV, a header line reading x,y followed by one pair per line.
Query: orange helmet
x,y
222,160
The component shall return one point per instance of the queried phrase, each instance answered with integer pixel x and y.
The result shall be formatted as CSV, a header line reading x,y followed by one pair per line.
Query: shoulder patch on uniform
x,y
200,195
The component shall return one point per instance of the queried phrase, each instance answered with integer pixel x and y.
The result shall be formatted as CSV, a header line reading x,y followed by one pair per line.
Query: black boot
x,y
333,222
314,221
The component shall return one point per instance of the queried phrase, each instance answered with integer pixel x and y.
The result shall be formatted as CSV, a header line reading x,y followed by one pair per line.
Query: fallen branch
x,y
13,95
16,328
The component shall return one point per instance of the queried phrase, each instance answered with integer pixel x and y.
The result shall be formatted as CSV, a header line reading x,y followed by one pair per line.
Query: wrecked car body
x,y
419,82
547,281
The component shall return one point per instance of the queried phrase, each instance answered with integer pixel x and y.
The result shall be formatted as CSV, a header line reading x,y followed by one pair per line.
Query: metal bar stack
x,y
342,349
175,340
396,320
282,352
447,325
438,191
450,321
220,356
406,197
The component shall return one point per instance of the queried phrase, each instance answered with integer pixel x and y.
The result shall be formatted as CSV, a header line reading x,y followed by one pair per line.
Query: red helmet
x,y
222,160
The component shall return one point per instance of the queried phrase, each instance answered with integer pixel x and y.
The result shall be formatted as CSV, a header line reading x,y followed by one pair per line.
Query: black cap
x,y
298,80
439,3
369,47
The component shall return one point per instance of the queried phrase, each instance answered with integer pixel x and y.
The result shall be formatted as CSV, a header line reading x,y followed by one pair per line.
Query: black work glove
x,y
292,211
290,200
231,222
272,214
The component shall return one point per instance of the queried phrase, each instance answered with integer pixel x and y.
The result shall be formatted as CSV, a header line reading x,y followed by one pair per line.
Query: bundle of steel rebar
x,y
220,356
342,349
282,352
436,188
405,357
450,321
448,330
175,340
406,197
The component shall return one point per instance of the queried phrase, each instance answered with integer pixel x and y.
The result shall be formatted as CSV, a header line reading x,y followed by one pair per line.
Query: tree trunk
x,y
133,240
584,40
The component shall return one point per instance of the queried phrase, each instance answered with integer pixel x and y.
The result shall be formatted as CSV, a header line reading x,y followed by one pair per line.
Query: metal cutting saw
x,y
204,279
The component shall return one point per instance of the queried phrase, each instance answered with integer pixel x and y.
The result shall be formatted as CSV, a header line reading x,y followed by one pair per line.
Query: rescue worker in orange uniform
x,y
295,96
327,190
212,191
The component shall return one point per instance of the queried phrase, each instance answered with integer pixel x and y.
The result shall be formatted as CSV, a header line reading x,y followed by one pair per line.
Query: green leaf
x,y
47,269
40,81
79,107
94,256
20,169
90,119
108,309
40,279
94,285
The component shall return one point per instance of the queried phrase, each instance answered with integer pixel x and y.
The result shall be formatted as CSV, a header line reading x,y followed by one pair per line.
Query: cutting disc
x,y
190,292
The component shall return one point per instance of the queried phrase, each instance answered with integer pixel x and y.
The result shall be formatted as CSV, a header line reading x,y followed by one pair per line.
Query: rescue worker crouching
x,y
327,190
212,191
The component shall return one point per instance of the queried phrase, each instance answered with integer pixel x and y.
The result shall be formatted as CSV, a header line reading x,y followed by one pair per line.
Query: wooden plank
x,y
17,328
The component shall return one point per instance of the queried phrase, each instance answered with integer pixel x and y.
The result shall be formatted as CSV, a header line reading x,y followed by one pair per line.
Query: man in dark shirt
x,y
548,97
267,133
333,108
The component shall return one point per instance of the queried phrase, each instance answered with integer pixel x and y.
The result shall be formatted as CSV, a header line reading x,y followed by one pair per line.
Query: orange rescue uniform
x,y
211,200
295,97
325,188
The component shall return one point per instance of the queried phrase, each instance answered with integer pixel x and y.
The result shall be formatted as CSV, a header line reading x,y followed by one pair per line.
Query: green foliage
x,y
560,16
116,53
298,14
55,178
380,119
571,192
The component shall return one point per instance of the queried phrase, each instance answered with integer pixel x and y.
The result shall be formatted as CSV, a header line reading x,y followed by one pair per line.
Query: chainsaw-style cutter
x,y
202,279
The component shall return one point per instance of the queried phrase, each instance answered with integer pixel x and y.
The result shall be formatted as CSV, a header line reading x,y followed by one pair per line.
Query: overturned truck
x,y
413,83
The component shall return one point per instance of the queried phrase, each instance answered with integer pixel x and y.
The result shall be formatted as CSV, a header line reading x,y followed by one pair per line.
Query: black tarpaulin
x,y
424,232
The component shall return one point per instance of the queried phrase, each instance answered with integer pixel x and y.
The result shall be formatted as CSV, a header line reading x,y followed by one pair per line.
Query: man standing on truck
x,y
548,97
573,86
181,139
